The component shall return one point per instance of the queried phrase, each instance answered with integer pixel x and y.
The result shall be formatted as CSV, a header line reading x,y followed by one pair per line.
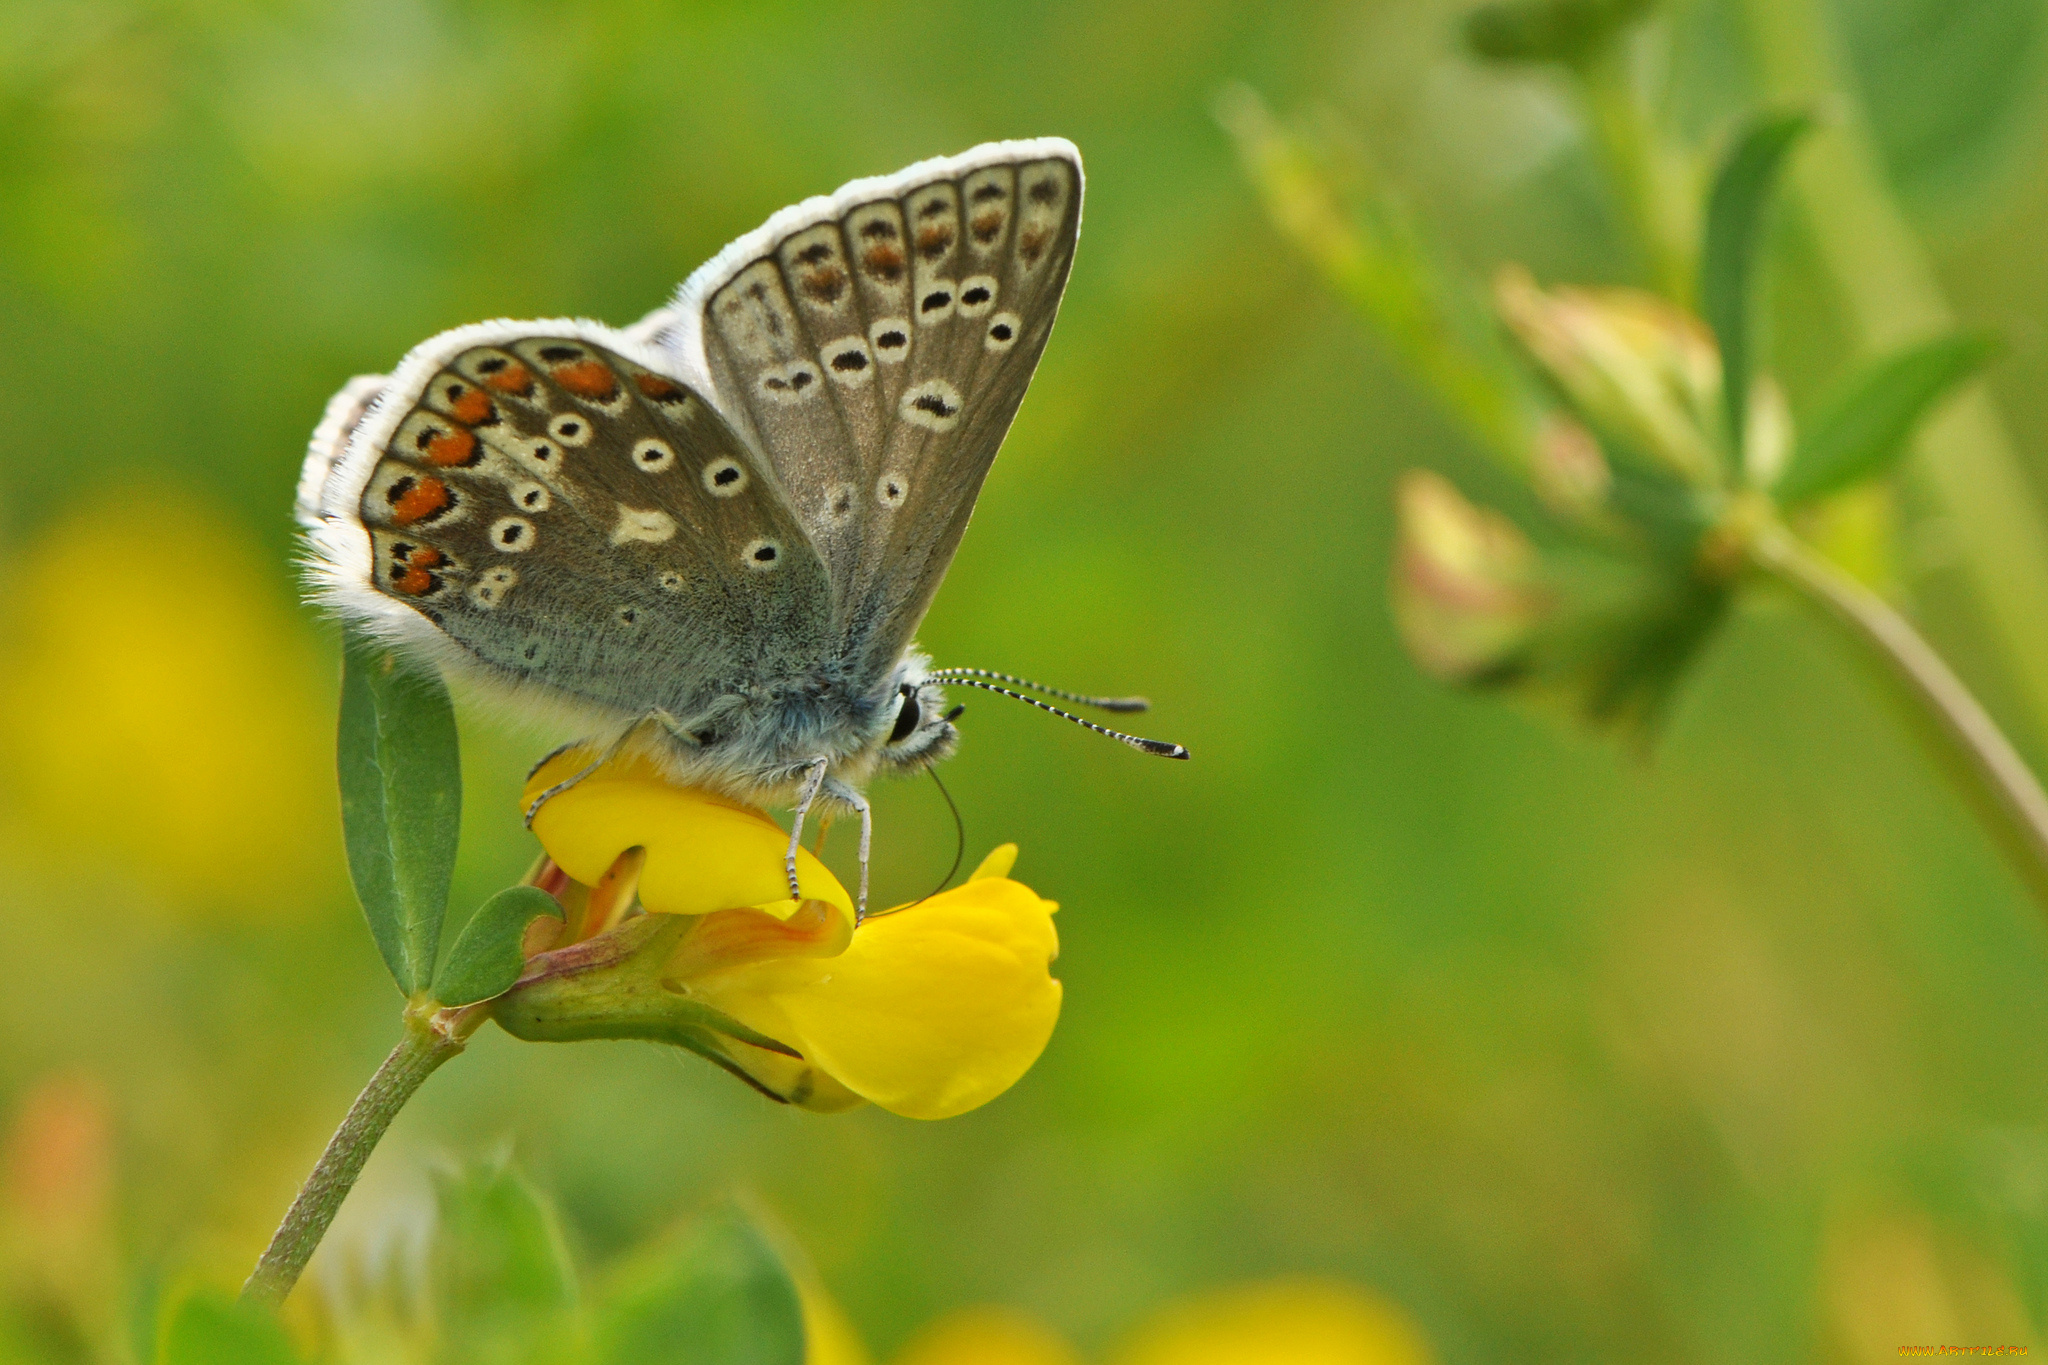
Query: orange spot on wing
x,y
473,407
513,379
932,241
423,499
1033,243
659,389
825,285
587,379
453,448
987,226
884,261
418,565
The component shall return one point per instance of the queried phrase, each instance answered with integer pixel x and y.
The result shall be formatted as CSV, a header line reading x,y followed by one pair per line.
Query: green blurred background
x,y
1734,1053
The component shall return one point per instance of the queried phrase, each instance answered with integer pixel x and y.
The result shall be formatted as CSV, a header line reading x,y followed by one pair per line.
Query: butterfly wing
x,y
345,412
543,503
875,344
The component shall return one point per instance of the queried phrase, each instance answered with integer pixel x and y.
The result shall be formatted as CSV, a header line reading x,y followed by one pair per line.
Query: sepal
x,y
624,984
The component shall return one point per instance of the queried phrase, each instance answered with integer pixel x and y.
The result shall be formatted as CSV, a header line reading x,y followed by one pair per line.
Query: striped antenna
x,y
1128,704
1147,746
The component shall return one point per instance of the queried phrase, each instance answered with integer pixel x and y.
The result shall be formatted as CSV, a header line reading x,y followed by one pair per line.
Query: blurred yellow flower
x,y
1281,1322
1305,1321
928,1010
987,1335
168,721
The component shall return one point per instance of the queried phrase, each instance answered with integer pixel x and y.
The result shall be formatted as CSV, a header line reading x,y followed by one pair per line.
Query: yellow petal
x,y
987,1336
1283,1322
998,863
929,1012
704,852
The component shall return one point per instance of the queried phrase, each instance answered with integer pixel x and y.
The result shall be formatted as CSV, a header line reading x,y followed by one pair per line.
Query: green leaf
x,y
1567,31
485,958
1954,93
718,1296
401,802
1860,429
206,1328
1735,213
502,1280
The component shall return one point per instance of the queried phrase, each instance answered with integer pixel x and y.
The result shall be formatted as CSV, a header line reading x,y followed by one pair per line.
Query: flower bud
x,y
1602,633
1644,375
1465,594
1568,470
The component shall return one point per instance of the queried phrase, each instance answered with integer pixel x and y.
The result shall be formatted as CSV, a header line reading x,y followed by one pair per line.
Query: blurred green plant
x,y
1671,468
494,1284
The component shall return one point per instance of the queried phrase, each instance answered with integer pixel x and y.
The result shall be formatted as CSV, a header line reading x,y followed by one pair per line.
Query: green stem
x,y
429,1041
1966,741
1890,294
1627,139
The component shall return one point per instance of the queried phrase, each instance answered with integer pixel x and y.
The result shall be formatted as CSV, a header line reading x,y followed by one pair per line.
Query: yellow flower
x,y
163,726
986,1336
679,926
1281,1322
1295,1321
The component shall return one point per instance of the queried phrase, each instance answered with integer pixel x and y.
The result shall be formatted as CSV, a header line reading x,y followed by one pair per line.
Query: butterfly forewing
x,y
878,349
574,518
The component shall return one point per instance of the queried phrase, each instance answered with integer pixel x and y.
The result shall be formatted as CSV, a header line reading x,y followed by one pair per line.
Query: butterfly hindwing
x,y
876,345
576,519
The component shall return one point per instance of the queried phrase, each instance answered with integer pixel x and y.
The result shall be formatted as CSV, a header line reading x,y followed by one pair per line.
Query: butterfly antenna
x,y
1147,746
1128,704
959,835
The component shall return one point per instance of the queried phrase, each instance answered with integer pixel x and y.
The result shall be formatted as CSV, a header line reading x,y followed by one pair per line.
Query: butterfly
x,y
714,534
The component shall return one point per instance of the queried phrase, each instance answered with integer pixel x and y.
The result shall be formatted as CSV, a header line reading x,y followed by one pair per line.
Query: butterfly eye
x,y
907,717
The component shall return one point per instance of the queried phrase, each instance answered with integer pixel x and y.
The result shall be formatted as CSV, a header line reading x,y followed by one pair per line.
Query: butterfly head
x,y
921,730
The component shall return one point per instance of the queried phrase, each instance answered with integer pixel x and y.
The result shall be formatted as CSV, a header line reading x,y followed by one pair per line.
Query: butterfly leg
x,y
839,791
807,792
611,751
